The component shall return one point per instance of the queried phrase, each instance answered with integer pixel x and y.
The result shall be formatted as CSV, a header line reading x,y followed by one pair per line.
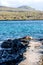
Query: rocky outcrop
x,y
7,44
26,38
13,49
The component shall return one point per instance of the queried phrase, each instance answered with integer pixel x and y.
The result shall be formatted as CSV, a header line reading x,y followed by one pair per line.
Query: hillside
x,y
21,8
26,8
20,13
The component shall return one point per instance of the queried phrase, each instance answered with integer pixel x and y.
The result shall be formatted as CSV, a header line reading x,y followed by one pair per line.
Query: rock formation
x,y
12,50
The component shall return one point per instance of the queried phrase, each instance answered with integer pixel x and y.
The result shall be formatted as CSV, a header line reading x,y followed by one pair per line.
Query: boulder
x,y
41,39
7,44
17,45
4,54
27,38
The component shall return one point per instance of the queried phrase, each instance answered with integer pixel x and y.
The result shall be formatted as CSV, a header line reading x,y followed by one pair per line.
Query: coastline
x,y
24,20
25,48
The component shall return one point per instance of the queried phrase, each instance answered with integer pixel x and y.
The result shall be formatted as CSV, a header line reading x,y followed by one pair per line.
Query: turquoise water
x,y
16,29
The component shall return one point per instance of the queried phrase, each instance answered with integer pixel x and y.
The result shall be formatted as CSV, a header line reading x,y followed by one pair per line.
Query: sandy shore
x,y
33,55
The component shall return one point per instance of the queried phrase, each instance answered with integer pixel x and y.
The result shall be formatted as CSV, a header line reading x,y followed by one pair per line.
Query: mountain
x,y
26,8
21,8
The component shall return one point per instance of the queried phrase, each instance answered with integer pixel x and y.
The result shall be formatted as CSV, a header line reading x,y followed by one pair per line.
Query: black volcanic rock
x,y
7,44
13,50
41,39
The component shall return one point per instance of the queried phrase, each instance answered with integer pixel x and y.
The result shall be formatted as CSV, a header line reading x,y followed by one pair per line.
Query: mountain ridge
x,y
26,7
21,8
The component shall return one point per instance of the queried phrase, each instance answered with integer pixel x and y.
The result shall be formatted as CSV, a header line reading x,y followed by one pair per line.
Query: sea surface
x,y
17,29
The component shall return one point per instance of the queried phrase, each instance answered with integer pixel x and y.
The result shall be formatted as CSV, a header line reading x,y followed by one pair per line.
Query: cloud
x,y
16,3
13,2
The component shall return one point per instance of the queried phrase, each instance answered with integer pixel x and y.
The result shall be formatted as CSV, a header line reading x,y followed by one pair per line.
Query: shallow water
x,y
16,29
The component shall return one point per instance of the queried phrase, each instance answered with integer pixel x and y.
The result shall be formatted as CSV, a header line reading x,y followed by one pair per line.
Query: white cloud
x,y
12,2
16,3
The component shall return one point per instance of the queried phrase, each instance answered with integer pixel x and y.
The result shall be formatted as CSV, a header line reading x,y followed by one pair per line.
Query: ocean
x,y
17,29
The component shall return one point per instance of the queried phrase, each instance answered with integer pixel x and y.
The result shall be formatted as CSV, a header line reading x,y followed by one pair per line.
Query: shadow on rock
x,y
12,51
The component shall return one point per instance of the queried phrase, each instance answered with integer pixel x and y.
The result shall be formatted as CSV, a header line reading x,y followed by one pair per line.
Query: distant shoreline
x,y
23,13
22,20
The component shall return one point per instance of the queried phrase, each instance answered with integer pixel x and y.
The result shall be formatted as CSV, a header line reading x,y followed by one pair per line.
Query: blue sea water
x,y
16,29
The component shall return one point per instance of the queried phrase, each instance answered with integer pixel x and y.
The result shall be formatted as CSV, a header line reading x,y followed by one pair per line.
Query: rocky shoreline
x,y
12,51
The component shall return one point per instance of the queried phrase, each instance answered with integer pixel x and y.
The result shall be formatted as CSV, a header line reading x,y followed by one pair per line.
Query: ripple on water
x,y
15,29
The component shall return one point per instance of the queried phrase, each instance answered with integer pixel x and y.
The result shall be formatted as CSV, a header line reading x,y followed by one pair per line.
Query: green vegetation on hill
x,y
21,13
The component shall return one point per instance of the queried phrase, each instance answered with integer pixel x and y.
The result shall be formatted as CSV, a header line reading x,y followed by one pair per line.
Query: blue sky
x,y
37,4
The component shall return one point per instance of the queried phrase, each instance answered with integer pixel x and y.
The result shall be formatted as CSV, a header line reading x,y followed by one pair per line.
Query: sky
x,y
37,4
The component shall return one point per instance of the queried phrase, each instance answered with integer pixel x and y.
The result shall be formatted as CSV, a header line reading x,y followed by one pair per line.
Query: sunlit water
x,y
16,29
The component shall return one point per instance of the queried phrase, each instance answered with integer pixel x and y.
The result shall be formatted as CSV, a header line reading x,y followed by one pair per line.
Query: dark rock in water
x,y
25,40
4,54
13,49
1,52
7,44
41,52
17,46
41,39
42,43
10,51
